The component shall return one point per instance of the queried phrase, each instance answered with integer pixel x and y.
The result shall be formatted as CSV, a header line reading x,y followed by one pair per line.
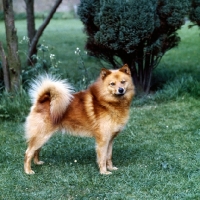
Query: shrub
x,y
195,12
135,32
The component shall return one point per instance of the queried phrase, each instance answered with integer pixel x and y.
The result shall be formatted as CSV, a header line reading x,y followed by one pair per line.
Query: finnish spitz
x,y
101,112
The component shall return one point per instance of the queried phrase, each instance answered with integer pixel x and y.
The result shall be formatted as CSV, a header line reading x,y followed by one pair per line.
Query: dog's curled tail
x,y
47,88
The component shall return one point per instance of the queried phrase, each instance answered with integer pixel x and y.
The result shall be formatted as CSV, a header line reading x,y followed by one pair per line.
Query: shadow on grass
x,y
68,151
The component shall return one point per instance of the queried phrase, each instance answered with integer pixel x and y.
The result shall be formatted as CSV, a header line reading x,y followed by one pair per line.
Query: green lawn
x,y
181,60
158,154
62,37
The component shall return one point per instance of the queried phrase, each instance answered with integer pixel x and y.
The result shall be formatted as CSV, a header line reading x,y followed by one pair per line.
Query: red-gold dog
x,y
101,112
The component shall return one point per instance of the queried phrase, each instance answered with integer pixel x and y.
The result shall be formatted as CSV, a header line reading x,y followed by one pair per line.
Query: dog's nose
x,y
121,90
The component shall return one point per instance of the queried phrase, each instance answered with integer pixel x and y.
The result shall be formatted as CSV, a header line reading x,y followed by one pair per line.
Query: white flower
x,y
77,51
52,56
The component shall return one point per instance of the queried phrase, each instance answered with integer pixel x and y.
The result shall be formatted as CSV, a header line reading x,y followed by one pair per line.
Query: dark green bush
x,y
195,12
138,33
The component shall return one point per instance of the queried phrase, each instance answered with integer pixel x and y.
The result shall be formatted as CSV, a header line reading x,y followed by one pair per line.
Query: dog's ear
x,y
104,72
125,69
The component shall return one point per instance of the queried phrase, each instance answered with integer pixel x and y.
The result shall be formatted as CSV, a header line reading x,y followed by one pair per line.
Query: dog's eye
x,y
112,83
122,82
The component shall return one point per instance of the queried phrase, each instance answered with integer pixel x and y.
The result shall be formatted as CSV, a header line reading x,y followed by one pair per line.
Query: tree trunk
x,y
6,75
38,33
12,45
31,31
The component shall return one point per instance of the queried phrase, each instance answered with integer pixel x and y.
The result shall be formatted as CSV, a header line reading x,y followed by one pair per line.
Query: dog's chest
x,y
114,121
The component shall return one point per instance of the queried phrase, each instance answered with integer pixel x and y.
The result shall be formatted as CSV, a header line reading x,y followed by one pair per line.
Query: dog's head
x,y
118,82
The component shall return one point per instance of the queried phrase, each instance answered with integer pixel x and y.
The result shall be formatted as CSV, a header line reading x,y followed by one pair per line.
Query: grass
x,y
158,153
181,60
62,38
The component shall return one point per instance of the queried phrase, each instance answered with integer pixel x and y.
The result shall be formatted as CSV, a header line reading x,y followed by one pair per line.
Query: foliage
x,y
83,72
45,63
181,87
195,12
138,33
14,106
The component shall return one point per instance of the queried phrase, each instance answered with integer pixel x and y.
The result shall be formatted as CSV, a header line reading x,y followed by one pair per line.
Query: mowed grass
x,y
185,57
183,60
158,154
62,37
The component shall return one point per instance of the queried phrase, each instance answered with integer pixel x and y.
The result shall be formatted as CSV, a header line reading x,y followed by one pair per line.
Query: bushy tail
x,y
58,93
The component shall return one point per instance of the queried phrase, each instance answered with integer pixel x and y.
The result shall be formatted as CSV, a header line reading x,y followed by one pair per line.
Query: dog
x,y
101,111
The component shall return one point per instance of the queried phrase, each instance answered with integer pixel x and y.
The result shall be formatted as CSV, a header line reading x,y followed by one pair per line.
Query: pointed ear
x,y
104,72
125,69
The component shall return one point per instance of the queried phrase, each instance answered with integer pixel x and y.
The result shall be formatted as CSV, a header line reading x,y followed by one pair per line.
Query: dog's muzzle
x,y
120,91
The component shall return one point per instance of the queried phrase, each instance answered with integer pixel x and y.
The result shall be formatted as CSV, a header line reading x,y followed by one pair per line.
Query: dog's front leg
x,y
101,149
109,163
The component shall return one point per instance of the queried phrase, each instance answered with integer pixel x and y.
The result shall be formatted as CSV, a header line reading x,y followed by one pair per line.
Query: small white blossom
x,y
52,56
77,51
24,39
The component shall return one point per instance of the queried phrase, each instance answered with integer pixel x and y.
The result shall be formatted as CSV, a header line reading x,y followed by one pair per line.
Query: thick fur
x,y
101,112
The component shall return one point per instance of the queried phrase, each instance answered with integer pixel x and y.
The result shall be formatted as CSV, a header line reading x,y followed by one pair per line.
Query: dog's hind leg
x,y
34,145
36,157
27,161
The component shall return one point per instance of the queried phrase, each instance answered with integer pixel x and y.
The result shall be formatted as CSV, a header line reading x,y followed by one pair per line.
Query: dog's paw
x,y
106,173
112,168
30,172
39,163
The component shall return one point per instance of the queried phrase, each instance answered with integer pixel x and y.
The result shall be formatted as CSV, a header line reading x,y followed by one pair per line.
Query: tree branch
x,y
42,27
